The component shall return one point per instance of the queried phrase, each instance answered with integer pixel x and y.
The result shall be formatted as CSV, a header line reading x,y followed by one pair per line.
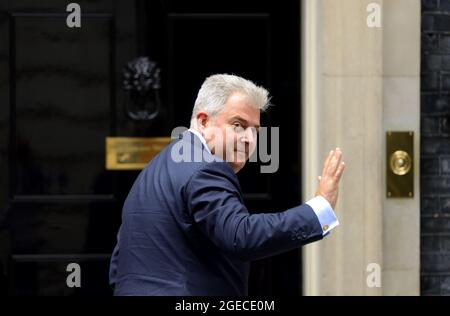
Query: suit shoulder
x,y
218,173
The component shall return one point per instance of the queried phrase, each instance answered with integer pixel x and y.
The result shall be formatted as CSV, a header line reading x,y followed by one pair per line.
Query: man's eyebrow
x,y
237,117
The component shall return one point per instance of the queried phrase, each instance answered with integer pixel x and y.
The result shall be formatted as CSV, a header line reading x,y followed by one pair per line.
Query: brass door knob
x,y
400,162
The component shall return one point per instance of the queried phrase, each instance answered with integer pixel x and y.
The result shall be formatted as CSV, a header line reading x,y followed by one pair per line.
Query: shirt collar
x,y
202,139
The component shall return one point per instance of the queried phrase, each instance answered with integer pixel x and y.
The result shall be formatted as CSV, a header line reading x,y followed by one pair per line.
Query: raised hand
x,y
331,175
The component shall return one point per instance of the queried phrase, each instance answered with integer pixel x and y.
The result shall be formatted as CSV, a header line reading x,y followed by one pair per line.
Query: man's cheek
x,y
239,156
231,154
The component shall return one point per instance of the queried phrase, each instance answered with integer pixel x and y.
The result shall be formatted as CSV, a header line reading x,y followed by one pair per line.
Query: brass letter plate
x,y
400,164
132,153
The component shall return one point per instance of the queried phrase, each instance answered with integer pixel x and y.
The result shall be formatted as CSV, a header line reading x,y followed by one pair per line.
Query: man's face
x,y
232,133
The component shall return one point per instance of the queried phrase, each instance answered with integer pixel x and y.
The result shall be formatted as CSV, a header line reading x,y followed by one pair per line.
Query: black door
x,y
62,93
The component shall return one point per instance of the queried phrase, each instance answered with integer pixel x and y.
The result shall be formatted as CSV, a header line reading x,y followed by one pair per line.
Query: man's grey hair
x,y
216,90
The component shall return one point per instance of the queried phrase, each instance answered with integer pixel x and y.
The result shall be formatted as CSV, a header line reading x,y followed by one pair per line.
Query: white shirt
x,y
321,207
195,132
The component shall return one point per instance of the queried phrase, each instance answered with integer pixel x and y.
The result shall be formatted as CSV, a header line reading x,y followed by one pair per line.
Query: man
x,y
185,229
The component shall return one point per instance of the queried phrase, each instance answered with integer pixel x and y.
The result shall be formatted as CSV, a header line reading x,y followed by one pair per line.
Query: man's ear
x,y
202,120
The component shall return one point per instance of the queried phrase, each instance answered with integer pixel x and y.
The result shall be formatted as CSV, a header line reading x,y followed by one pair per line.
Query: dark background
x,y
435,148
61,95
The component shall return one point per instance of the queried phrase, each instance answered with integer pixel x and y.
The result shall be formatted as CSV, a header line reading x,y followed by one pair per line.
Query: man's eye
x,y
237,126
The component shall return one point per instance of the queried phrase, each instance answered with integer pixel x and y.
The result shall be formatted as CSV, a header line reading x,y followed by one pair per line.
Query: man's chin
x,y
237,166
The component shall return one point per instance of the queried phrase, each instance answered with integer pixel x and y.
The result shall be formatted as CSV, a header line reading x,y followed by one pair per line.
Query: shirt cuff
x,y
325,214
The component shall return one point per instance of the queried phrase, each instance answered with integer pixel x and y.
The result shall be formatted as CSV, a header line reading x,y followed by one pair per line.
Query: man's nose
x,y
249,136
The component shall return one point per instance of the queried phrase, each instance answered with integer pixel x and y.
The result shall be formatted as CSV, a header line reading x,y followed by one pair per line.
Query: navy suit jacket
x,y
186,231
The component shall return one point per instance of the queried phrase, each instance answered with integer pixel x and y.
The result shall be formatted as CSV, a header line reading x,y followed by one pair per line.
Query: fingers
x,y
340,170
333,166
327,162
335,161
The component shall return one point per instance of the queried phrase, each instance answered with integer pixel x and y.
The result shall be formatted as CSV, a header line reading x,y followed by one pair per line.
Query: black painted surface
x,y
61,95
435,148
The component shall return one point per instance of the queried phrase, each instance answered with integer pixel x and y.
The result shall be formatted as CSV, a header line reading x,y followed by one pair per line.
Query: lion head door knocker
x,y
141,82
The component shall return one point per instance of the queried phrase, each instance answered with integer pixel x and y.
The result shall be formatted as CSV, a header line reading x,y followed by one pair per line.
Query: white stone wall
x,y
357,83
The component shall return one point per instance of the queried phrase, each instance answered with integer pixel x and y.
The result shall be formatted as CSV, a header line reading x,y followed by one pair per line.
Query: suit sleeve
x,y
214,203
